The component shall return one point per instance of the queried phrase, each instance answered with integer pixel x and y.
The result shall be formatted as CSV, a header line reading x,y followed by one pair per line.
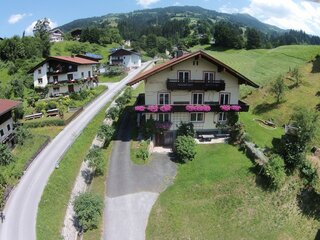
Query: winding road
x,y
21,208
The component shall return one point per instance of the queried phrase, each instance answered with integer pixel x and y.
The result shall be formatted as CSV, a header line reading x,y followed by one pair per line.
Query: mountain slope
x,y
157,14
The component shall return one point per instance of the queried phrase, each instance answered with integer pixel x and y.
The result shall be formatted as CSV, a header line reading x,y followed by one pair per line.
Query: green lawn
x,y
113,79
260,134
216,197
262,65
56,195
4,76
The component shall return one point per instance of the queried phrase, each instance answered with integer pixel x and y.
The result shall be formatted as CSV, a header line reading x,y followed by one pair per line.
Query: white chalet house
x,y
7,135
194,87
65,74
126,58
56,35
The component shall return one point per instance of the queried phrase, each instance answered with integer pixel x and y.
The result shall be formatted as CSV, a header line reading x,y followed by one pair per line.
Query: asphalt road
x,y
21,209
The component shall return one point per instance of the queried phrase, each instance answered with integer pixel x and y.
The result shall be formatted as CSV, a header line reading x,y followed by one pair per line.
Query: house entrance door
x,y
70,88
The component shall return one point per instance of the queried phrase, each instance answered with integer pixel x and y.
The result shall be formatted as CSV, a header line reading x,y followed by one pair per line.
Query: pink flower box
x,y
198,108
153,108
139,108
225,108
236,108
165,108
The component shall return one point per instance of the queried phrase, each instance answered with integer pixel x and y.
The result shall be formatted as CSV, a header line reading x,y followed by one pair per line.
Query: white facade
x,y
6,128
63,83
127,61
156,85
56,36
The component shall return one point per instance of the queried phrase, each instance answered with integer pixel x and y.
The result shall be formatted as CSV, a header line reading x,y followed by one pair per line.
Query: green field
x,y
263,65
217,196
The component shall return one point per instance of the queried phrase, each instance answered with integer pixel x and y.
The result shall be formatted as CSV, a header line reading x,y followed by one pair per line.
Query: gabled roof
x,y
123,52
67,59
6,105
56,30
198,54
92,56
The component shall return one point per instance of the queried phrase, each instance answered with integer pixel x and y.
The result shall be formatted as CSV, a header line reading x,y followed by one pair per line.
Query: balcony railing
x,y
176,84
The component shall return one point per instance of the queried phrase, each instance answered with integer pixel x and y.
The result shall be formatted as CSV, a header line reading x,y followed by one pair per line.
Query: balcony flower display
x,y
235,108
165,108
152,108
198,108
163,125
225,108
139,108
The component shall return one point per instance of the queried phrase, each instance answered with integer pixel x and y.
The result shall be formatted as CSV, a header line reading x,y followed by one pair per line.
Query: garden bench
x,y
33,116
53,112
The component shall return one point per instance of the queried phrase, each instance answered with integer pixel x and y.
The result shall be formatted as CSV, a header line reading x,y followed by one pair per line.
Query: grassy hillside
x,y
64,48
262,65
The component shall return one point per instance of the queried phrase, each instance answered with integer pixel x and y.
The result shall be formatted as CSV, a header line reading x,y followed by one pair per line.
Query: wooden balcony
x,y
176,84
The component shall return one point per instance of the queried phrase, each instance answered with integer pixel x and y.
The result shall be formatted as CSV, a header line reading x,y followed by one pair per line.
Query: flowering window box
x,y
152,108
139,108
165,108
198,108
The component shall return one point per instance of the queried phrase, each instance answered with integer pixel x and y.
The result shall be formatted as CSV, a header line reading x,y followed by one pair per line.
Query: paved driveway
x,y
21,209
133,189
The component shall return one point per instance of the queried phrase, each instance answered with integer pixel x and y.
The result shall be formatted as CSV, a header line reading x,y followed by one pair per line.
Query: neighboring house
x,y
126,58
195,88
7,135
127,43
63,75
56,35
76,34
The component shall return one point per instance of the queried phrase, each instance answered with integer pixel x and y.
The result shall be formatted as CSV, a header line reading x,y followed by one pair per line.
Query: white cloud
x,y
17,17
146,3
287,14
29,29
177,4
228,9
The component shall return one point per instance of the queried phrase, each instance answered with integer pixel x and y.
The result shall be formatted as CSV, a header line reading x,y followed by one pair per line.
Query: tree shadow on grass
x,y
316,65
264,107
260,180
309,203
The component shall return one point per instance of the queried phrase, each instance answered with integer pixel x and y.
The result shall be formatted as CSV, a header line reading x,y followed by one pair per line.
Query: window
x,y
163,98
39,71
164,117
1,132
197,98
70,76
224,98
40,80
55,78
56,89
209,76
183,76
222,117
89,73
196,117
82,74
8,127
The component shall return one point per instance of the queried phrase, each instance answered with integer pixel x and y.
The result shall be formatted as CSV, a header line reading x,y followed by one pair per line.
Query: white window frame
x,y
224,94
184,78
162,117
164,98
208,73
197,117
222,117
40,80
198,94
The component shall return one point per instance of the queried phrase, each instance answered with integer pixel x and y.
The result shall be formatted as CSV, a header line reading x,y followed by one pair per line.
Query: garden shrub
x,y
186,129
309,173
88,210
6,156
22,133
41,106
149,128
274,170
184,148
52,105
113,113
106,133
121,101
95,159
143,151
43,123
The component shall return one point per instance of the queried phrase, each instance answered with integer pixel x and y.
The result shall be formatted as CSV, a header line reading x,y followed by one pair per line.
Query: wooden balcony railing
x,y
176,84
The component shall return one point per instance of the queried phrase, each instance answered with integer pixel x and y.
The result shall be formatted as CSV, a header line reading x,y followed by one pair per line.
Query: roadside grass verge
x,y
54,201
217,196
113,79
98,187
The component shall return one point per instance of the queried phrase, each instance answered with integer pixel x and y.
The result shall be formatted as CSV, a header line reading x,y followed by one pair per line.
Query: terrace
x,y
176,84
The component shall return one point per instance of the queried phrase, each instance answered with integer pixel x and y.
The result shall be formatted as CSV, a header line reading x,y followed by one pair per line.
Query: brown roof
x,y
69,59
200,54
123,52
6,105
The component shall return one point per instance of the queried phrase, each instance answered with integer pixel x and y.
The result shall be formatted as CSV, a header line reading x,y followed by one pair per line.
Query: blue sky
x,y
19,15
